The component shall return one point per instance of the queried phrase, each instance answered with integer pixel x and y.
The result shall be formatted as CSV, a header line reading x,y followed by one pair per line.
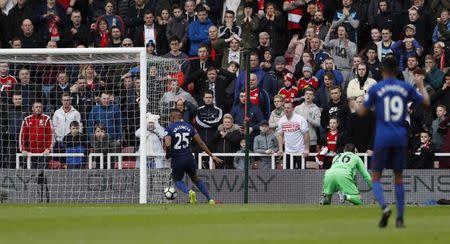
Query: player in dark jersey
x,y
390,99
178,145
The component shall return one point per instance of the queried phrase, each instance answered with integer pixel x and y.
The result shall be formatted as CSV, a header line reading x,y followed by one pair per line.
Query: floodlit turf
x,y
216,224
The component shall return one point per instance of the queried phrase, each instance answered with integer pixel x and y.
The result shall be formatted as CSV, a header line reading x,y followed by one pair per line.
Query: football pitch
x,y
217,224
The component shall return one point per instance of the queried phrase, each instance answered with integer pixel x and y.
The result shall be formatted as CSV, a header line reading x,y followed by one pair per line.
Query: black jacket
x,y
361,131
207,120
340,110
82,37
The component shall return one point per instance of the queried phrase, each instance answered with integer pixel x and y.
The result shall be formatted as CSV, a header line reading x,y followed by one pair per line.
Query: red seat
x,y
53,164
128,164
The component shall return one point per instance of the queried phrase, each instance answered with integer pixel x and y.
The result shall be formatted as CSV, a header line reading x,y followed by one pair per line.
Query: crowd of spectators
x,y
311,63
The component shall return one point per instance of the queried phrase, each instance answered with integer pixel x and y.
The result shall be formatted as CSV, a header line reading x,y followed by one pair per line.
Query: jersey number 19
x,y
393,108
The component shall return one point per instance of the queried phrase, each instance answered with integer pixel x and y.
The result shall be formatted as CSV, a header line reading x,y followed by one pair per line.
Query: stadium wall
x,y
270,186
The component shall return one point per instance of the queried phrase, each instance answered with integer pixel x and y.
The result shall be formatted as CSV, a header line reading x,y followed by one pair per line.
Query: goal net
x,y
75,123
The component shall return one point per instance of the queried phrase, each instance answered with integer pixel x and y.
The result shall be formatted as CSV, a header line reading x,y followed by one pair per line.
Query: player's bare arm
x,y
205,148
167,145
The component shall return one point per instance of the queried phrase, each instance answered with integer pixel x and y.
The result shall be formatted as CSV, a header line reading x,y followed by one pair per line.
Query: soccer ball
x,y
170,193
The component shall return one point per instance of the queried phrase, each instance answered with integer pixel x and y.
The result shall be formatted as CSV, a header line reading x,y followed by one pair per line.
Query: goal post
x,y
43,62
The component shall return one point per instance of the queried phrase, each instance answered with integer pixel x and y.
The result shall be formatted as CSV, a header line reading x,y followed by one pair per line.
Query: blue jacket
x,y
198,33
338,78
436,34
256,115
402,55
110,116
239,85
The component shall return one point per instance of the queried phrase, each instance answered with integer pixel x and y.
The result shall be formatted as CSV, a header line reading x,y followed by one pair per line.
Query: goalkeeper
x,y
341,177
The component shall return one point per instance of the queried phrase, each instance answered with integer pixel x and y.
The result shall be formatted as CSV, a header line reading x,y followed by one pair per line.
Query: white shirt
x,y
61,121
234,56
293,130
149,34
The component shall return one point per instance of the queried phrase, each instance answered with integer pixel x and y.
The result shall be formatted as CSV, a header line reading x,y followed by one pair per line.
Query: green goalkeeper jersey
x,y
349,163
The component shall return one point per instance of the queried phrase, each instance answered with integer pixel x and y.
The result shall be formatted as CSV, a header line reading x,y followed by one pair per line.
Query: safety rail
x,y
30,155
211,164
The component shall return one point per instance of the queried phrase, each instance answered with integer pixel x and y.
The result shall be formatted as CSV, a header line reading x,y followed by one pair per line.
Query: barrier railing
x,y
30,155
212,166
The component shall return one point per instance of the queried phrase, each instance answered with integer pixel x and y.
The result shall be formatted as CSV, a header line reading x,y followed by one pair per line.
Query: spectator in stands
x,y
385,17
75,142
412,64
207,81
361,130
295,12
36,136
108,114
297,46
100,35
308,80
259,97
293,134
436,137
425,149
197,68
342,49
349,17
274,24
198,30
357,59
329,66
63,117
376,6
264,44
443,23
186,108
361,84
434,76
384,46
57,91
93,79
229,27
13,116
440,56
337,107
307,59
28,37
154,135
255,116
22,10
331,145
228,136
316,48
320,24
175,92
16,43
375,36
77,33
7,81
175,52
208,118
216,45
83,100
162,20
239,161
249,23
277,113
266,63
116,37
442,95
322,97
274,79
265,143
134,18
311,113
127,42
415,19
50,20
111,18
242,77
233,53
149,31
289,91
101,142
191,14
177,26
224,86
373,64
404,49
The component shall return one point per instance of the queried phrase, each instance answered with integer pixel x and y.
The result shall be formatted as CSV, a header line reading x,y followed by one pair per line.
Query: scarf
x,y
53,29
104,39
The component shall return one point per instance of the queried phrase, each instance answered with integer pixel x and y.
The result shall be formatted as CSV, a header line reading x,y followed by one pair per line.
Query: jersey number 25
x,y
182,140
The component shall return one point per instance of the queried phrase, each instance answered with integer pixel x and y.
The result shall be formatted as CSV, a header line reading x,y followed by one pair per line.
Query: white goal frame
x,y
143,92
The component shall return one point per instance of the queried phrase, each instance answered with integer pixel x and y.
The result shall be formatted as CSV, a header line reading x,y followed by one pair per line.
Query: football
x,y
170,193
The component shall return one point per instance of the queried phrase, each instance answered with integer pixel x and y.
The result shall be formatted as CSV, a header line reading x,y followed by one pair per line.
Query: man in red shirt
x,y
36,135
6,80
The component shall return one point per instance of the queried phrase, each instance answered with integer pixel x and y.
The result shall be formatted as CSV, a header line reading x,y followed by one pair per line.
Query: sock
x,y
182,186
355,199
400,197
377,190
327,199
202,187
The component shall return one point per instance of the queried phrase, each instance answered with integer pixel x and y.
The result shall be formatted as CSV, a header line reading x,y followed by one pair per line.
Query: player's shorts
x,y
389,158
339,180
183,164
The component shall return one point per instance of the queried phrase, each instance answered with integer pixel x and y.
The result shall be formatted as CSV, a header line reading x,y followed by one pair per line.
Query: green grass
x,y
216,224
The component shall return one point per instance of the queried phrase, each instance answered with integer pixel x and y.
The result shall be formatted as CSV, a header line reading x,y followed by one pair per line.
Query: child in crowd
x,y
329,148
288,91
239,161
266,143
308,79
154,135
101,143
75,142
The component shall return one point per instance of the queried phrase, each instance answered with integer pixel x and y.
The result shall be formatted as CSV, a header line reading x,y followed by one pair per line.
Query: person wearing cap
x,y
265,143
308,80
406,48
273,80
422,35
289,91
154,135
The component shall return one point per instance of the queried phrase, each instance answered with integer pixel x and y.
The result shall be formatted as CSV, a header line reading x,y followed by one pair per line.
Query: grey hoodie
x,y
263,142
